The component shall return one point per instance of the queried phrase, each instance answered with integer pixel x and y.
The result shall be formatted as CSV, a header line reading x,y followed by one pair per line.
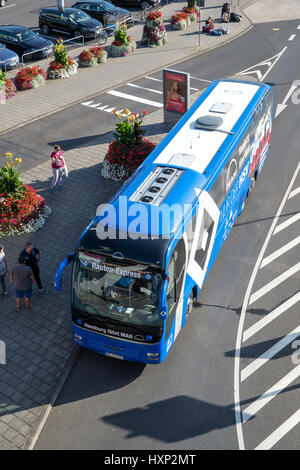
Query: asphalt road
x,y
188,402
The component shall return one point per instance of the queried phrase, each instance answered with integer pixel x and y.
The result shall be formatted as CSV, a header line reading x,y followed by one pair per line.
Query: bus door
x,y
204,237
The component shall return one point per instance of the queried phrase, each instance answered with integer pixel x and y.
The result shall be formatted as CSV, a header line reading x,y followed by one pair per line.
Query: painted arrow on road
x,y
283,105
258,69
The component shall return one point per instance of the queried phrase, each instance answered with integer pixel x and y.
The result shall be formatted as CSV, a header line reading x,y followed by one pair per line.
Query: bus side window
x,y
171,290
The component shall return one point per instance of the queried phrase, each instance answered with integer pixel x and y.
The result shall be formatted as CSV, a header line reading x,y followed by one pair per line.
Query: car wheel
x,y
45,29
2,3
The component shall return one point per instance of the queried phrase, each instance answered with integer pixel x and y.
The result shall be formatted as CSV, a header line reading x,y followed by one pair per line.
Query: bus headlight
x,y
152,354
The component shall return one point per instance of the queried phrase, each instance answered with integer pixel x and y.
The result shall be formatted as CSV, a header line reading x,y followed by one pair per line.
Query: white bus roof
x,y
194,149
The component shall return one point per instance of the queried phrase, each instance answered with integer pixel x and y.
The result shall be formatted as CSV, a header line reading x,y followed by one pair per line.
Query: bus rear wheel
x,y
189,306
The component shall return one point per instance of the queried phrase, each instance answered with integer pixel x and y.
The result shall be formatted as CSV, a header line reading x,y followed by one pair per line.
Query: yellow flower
x,y
8,164
12,163
8,154
19,160
119,115
131,118
127,111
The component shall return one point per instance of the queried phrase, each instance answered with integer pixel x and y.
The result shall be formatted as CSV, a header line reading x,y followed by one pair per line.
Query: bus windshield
x,y
111,289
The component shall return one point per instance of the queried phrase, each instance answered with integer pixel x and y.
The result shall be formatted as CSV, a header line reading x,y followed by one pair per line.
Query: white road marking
x,y
292,37
281,106
278,280
280,252
266,62
87,103
202,80
267,355
103,107
154,79
271,316
294,192
94,105
109,110
143,88
298,27
280,432
287,223
8,6
264,399
239,338
135,98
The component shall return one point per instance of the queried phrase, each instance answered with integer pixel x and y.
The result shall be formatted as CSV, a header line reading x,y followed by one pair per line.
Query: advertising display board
x,y
176,87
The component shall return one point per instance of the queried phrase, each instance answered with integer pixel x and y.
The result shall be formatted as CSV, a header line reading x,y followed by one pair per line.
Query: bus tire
x,y
252,184
189,306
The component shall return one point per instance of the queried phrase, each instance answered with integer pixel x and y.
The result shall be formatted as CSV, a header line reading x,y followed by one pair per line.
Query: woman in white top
x,y
3,270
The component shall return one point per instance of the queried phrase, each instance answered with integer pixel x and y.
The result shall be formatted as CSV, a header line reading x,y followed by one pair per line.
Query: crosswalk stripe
x,y
280,432
280,252
287,223
87,103
135,98
294,192
252,330
264,399
271,285
109,110
267,355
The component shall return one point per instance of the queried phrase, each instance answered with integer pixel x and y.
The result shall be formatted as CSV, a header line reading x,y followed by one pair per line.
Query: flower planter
x,y
154,32
92,57
179,25
121,160
23,212
30,77
10,89
122,50
55,71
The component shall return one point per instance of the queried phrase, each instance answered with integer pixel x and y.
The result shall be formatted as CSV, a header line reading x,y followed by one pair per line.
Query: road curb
x,y
169,64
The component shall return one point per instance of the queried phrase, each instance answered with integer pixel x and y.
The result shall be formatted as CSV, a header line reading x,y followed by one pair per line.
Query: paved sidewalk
x,y
38,343
58,94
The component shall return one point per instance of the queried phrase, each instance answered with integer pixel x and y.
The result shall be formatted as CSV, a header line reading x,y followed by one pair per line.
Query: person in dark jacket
x,y
32,257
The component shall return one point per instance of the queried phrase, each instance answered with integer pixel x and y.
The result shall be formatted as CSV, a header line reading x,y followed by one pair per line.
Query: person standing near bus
x,y
3,270
32,257
59,167
22,277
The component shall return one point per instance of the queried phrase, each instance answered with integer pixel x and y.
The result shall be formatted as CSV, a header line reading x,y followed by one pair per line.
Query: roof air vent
x,y
156,187
208,122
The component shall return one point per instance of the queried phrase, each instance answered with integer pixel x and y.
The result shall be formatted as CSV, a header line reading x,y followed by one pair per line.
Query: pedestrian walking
x,y
22,277
32,257
59,167
3,271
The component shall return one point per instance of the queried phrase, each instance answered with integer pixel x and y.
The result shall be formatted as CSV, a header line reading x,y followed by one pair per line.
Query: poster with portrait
x,y
176,92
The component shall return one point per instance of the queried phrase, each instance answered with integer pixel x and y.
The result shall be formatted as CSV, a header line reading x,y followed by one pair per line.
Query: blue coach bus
x,y
145,256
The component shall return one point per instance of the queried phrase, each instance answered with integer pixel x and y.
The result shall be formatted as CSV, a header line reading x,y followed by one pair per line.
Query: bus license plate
x,y
116,356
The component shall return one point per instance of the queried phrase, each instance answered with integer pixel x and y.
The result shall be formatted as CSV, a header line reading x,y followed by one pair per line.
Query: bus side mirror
x,y
163,307
58,275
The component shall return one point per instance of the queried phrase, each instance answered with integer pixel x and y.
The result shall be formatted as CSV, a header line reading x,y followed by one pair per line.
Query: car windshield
x,y
26,35
118,291
107,5
79,17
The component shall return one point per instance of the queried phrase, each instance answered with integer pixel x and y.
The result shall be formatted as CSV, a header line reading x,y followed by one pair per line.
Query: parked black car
x,y
71,21
24,41
8,58
136,3
103,11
